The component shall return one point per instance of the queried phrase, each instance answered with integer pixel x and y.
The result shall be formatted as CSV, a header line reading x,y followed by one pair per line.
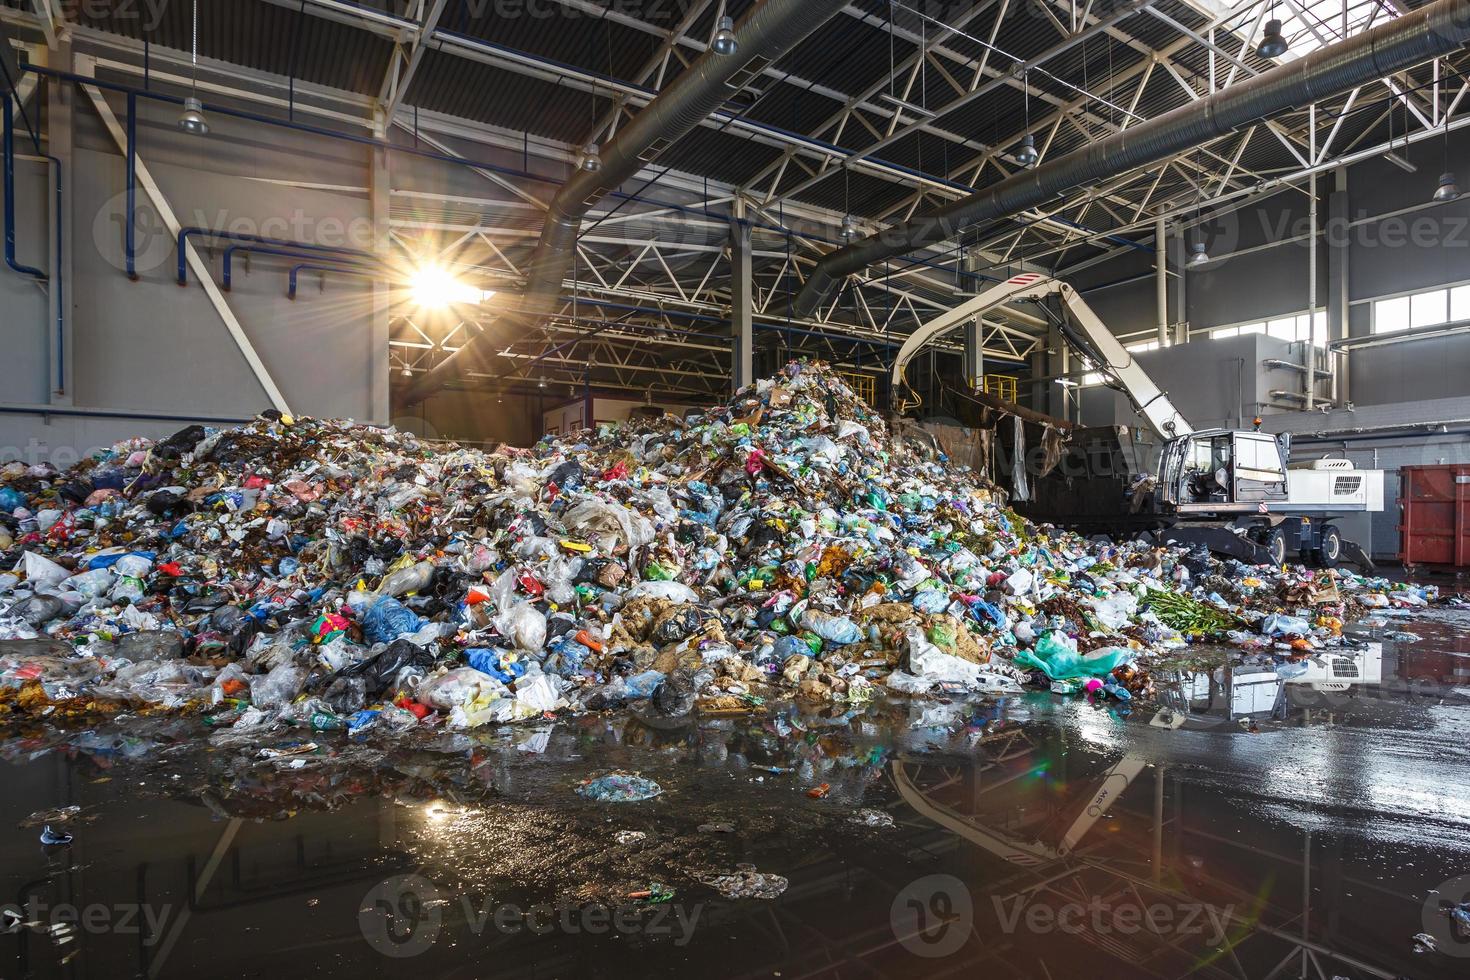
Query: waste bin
x,y
1434,524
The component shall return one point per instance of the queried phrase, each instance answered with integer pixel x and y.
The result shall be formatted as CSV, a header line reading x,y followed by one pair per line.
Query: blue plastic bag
x,y
496,664
388,619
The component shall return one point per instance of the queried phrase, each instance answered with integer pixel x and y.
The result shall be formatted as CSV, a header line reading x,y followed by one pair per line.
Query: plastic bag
x,y
42,572
278,688
406,580
643,685
672,591
457,688
539,693
387,619
838,630
90,584
524,625
1056,656
1116,611
1280,624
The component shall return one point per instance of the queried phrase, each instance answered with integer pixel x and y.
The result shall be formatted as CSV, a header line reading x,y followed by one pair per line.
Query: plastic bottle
x,y
406,580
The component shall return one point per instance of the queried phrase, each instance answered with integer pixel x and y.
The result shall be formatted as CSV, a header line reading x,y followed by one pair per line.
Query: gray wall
x,y
153,348
1394,244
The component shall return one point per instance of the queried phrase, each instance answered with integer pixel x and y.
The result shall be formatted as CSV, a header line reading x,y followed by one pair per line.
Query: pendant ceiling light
x,y
192,121
725,42
591,158
1273,42
1026,154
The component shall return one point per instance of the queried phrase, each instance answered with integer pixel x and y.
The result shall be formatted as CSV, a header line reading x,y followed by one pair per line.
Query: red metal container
x,y
1434,505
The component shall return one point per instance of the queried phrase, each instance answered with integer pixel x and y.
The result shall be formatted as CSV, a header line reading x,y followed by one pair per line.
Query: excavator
x,y
1233,491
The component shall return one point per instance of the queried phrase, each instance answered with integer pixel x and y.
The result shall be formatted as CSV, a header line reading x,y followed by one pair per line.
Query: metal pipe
x,y
227,265
1309,355
1429,32
186,233
1277,362
764,34
1384,340
9,179
130,232
346,270
1161,280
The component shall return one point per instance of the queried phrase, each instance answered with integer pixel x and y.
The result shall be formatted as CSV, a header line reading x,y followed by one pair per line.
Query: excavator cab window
x,y
1207,469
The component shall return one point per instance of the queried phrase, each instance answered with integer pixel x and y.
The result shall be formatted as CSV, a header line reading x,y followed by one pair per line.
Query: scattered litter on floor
x,y
620,787
746,882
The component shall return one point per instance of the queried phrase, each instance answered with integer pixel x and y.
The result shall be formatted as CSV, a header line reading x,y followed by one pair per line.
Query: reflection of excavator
x,y
1042,844
1228,489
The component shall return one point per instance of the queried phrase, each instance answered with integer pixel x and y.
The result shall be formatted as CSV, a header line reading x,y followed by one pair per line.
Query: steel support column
x,y
1337,283
60,134
974,364
1161,279
378,383
742,306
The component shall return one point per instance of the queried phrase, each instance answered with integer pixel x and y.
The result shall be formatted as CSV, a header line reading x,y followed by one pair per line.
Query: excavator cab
x,y
1222,470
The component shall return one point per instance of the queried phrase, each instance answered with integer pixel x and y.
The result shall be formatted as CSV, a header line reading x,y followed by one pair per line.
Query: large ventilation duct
x,y
1430,32
764,34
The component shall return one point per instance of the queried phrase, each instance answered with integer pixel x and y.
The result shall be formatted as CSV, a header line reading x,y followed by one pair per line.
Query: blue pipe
x,y
9,178
130,244
293,253
345,270
310,249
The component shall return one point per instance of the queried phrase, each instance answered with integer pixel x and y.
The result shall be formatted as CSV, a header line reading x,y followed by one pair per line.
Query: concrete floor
x,y
1251,826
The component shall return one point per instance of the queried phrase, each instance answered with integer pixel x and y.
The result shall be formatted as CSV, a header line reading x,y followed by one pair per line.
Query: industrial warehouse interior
x,y
742,488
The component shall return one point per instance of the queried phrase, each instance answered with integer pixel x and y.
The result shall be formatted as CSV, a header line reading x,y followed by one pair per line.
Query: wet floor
x,y
1245,824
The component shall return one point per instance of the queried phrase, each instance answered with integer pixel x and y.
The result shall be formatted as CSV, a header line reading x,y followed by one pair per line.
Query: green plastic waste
x,y
1056,656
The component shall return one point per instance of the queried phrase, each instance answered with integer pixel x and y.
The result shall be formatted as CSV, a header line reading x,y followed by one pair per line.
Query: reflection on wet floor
x,y
1247,825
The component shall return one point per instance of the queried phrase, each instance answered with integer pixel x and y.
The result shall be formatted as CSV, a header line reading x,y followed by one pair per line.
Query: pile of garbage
x,y
787,545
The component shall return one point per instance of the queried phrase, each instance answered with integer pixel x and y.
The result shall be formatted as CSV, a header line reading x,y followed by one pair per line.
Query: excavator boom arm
x,y
1148,398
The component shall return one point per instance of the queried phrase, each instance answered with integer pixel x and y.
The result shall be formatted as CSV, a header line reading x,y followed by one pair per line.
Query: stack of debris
x,y
782,546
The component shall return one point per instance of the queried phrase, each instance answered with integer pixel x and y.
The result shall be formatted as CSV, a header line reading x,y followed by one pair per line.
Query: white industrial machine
x,y
1229,489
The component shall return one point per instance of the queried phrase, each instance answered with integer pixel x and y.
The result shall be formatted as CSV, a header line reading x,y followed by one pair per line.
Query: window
x,y
1310,24
1140,348
1429,309
1283,329
1258,458
1460,303
1092,378
1391,315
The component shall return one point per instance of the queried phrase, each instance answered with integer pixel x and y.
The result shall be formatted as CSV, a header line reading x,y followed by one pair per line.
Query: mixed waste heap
x,y
784,546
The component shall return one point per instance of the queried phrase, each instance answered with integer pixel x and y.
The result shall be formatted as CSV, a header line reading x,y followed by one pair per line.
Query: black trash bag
x,y
1197,561
559,625
684,622
602,701
77,491
234,623
380,670
567,476
164,502
346,695
179,443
